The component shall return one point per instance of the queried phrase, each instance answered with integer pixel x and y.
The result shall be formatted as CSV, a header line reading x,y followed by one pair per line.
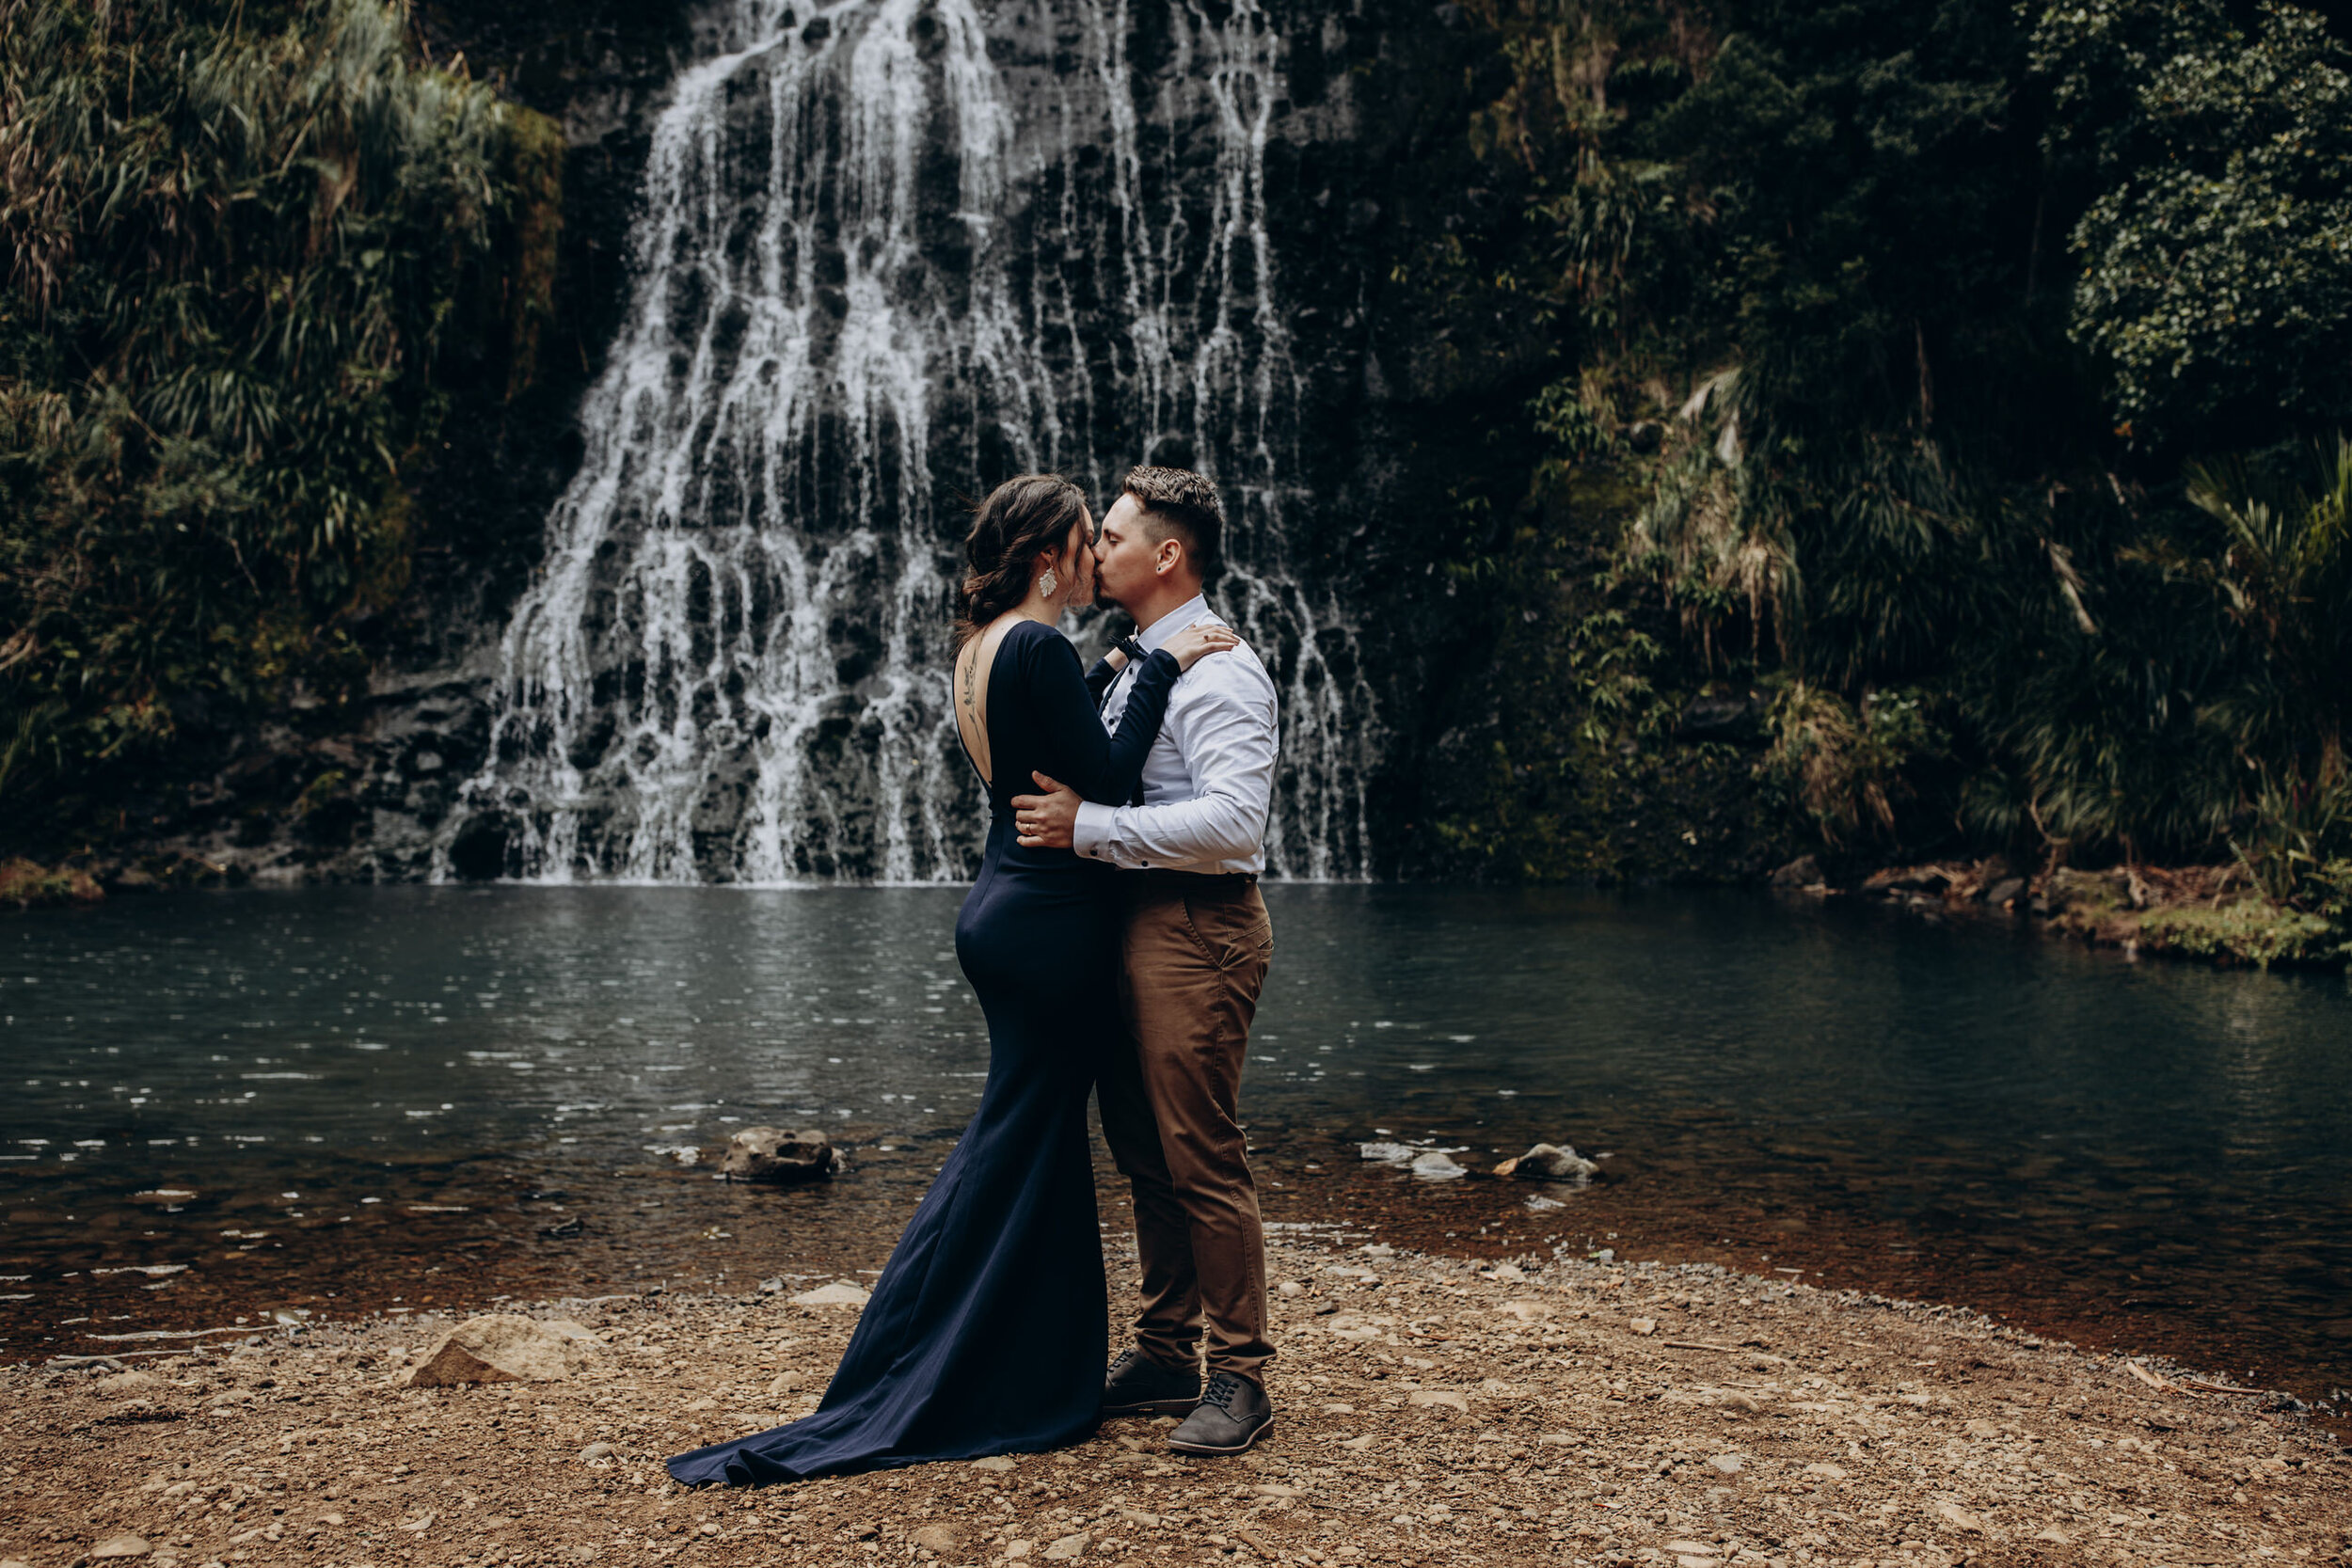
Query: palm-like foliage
x,y
2284,575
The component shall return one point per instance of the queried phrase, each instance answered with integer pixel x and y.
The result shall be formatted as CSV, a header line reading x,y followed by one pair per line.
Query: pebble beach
x,y
1431,1410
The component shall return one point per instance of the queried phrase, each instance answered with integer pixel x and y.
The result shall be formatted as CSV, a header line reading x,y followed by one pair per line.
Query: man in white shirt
x,y
1196,947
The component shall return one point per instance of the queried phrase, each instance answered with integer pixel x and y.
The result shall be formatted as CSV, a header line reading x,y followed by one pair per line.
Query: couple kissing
x,y
1117,941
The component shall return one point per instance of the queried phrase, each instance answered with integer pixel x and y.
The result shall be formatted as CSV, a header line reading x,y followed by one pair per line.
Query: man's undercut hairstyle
x,y
1180,504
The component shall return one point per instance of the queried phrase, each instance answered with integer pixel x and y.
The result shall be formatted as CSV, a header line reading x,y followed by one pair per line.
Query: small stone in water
x,y
771,1154
1434,1166
1551,1163
1387,1154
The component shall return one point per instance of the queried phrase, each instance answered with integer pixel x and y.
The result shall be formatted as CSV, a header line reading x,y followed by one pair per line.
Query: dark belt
x,y
1202,879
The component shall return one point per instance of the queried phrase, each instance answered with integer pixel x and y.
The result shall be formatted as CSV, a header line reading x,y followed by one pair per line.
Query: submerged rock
x,y
1549,1162
771,1154
500,1347
1434,1166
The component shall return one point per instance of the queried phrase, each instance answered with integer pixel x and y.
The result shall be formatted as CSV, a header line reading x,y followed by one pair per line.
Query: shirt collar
x,y
1176,620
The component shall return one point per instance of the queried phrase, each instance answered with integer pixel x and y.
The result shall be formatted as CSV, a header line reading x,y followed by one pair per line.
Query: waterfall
x,y
886,258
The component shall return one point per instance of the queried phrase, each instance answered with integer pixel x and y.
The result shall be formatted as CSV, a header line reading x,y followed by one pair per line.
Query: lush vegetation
x,y
1957,391
1883,431
250,246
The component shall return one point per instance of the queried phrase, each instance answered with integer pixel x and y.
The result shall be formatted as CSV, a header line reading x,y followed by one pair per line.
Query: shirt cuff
x,y
1092,829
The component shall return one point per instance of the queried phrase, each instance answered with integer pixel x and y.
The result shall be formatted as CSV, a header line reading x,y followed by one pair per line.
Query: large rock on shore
x,y
771,1154
500,1347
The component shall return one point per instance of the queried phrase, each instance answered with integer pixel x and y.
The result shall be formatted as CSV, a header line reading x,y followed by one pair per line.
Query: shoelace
x,y
1220,1391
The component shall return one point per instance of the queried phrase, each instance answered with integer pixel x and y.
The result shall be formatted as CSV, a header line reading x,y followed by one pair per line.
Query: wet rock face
x,y
822,279
880,264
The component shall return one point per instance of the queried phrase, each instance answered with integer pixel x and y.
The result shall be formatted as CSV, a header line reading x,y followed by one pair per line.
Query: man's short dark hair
x,y
1183,504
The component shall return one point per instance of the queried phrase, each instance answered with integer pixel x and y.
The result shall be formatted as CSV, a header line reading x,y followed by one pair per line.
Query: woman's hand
x,y
1197,642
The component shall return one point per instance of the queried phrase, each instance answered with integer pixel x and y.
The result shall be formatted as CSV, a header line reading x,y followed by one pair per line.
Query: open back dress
x,y
987,1329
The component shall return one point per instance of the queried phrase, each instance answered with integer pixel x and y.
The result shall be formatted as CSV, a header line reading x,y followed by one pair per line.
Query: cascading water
x,y
881,263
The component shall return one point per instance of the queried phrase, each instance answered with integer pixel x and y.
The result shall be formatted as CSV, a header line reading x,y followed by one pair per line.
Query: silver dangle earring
x,y
1048,582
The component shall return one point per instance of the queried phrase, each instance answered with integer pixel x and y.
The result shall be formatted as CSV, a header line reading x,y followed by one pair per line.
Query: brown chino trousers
x,y
1196,951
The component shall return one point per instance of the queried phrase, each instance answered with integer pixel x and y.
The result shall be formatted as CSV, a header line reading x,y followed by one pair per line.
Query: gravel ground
x,y
1430,1411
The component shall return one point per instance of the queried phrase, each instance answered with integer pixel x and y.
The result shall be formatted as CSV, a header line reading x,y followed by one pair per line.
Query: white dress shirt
x,y
1208,780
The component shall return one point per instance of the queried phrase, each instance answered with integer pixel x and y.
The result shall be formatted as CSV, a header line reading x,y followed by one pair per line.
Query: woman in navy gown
x,y
987,1331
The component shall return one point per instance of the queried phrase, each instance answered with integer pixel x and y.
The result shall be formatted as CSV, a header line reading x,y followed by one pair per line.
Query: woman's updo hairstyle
x,y
1021,518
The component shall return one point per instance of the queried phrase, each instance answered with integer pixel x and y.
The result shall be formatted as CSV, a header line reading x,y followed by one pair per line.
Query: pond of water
x,y
234,1105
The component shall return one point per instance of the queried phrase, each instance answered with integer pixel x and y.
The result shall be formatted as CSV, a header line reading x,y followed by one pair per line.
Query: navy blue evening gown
x,y
987,1329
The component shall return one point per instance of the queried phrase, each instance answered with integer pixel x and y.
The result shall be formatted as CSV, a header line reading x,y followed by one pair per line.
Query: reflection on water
x,y
365,1093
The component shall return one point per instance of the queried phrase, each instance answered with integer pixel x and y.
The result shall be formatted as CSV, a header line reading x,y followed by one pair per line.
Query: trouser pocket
x,y
1235,932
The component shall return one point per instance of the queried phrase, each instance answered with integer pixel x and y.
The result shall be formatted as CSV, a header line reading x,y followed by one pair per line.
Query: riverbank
x,y
1432,1410
2206,913
28,885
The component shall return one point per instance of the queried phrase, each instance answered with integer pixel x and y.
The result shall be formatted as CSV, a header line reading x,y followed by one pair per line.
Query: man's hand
x,y
1046,821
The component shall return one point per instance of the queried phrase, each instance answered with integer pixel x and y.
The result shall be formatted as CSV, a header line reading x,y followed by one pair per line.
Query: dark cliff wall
x,y
1367,160
1413,438
600,70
